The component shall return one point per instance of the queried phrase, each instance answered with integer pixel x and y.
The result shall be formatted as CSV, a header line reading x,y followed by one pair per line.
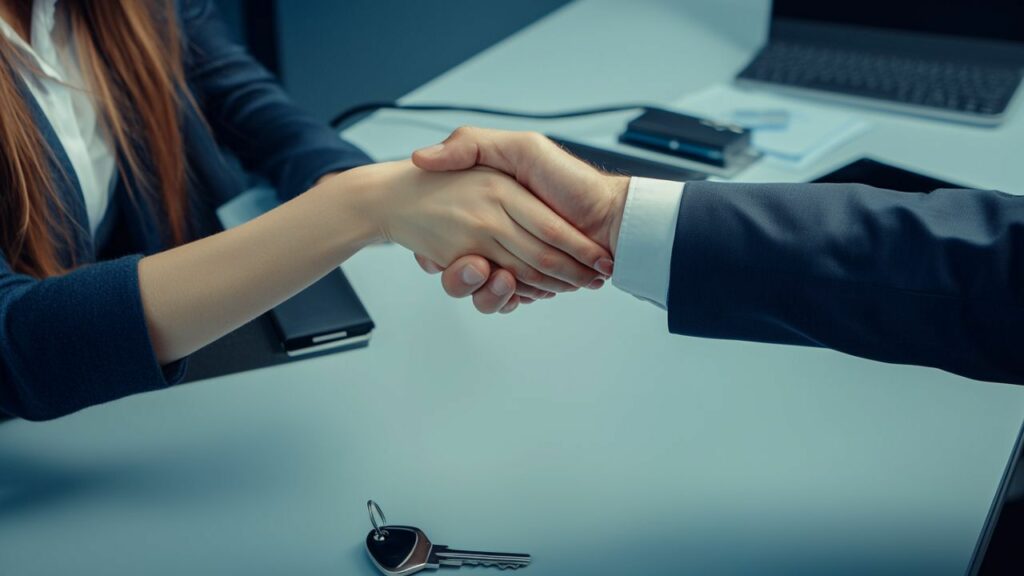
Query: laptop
x,y
998,549
959,60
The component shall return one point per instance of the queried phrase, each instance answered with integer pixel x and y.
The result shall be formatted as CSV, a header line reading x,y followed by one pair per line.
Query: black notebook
x,y
324,316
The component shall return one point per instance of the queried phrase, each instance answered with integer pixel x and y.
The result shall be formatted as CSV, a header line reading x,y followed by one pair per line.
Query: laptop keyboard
x,y
952,86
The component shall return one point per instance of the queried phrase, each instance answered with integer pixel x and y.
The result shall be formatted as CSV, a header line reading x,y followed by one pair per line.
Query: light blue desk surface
x,y
576,430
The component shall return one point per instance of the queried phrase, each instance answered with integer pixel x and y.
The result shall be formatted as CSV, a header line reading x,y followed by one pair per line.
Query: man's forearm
x,y
930,279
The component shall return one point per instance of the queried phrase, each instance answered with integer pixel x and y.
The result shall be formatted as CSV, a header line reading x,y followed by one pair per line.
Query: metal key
x,y
403,550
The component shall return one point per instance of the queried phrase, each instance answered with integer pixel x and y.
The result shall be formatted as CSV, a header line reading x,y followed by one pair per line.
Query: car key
x,y
404,550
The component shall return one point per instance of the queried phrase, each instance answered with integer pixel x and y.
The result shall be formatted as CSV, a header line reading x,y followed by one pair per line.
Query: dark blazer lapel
x,y
66,180
140,219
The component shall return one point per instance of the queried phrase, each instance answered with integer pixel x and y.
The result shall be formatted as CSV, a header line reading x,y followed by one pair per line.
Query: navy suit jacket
x,y
81,338
931,279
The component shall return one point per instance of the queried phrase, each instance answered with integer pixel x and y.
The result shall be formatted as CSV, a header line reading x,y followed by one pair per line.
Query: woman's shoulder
x,y
190,10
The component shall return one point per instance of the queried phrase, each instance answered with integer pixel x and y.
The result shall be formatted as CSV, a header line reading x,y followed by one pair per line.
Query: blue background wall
x,y
335,53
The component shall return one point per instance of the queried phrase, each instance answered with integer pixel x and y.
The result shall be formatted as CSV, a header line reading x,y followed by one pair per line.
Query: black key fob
x,y
398,550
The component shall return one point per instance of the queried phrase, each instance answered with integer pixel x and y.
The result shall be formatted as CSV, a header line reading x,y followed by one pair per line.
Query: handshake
x,y
561,219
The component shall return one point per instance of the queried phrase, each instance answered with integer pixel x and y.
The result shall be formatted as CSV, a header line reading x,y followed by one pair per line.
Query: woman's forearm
x,y
196,293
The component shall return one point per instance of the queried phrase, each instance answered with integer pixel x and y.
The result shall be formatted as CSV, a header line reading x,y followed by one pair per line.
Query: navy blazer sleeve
x,y
251,115
930,279
75,340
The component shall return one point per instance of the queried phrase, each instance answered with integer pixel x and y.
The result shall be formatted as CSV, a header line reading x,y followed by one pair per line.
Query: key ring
x,y
374,510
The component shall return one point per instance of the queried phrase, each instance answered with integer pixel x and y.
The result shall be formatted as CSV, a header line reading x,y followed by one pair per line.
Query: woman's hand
x,y
443,216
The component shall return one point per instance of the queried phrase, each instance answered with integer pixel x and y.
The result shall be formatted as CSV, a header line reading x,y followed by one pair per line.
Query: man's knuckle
x,y
479,228
536,138
550,232
538,141
549,261
463,131
492,185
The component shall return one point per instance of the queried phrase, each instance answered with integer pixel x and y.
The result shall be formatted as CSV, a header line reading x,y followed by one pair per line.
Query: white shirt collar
x,y
41,50
57,85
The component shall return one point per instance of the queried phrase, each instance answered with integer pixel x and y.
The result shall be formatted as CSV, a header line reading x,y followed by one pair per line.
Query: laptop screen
x,y
990,19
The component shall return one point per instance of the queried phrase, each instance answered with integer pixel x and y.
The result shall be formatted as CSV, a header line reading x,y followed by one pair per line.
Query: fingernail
x,y
432,150
472,276
604,266
597,283
500,287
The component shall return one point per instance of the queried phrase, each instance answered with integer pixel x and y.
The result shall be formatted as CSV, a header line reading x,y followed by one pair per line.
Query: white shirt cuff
x,y
643,255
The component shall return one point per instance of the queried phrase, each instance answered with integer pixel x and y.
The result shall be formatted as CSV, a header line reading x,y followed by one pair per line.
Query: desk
x,y
578,430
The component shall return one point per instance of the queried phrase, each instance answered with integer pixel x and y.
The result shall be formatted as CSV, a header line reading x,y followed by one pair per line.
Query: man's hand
x,y
588,199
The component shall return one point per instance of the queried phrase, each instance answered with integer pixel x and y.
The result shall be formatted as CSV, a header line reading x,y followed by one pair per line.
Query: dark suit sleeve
x,y
251,115
930,279
75,340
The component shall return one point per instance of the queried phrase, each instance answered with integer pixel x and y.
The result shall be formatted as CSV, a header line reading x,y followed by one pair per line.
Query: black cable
x,y
374,106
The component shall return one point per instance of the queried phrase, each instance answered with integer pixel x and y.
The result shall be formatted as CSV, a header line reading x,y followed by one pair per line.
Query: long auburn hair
x,y
130,54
